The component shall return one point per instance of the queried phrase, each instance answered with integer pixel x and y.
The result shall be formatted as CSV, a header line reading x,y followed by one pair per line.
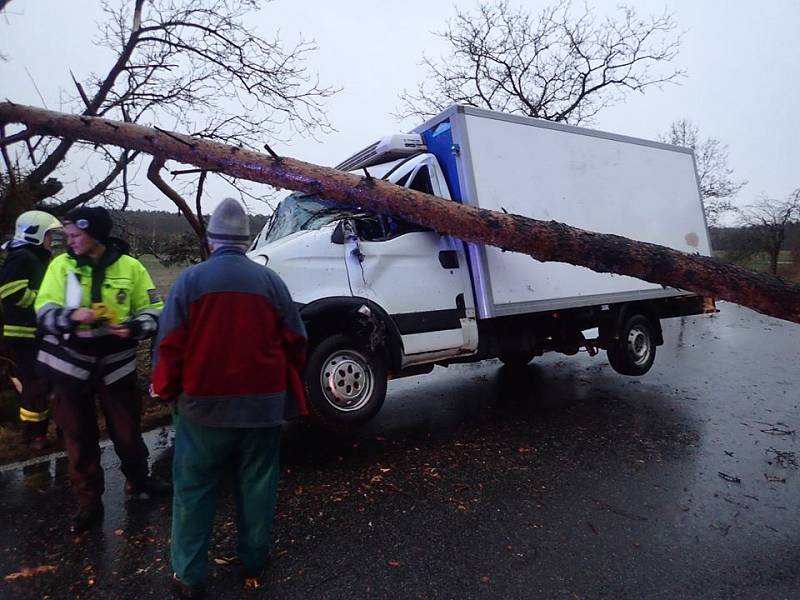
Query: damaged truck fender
x,y
353,345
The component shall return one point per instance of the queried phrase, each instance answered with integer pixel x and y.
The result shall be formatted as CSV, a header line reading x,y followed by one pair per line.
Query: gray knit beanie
x,y
229,225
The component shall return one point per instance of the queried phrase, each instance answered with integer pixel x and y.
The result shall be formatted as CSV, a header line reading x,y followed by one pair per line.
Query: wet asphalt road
x,y
564,480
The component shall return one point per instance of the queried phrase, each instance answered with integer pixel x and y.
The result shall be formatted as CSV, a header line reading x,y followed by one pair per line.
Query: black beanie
x,y
94,220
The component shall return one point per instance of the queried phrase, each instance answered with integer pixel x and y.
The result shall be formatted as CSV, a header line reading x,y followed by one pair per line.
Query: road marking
x,y
38,460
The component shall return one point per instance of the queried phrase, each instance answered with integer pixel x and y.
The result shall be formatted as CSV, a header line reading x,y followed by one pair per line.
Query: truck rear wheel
x,y
346,384
634,350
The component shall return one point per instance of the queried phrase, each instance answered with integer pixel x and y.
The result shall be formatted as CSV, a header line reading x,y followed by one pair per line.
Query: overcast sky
x,y
741,59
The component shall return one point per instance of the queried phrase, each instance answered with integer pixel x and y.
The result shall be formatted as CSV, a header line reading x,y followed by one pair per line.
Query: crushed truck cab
x,y
383,298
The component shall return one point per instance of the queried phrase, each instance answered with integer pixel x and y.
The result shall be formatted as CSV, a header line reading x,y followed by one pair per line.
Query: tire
x,y
634,350
345,384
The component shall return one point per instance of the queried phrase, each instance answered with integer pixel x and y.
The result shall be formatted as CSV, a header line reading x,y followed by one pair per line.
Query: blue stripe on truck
x,y
439,140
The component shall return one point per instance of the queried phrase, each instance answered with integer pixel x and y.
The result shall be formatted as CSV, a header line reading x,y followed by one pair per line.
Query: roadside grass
x,y
788,268
162,276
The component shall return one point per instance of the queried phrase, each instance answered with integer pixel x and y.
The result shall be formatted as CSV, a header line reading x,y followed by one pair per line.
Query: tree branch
x,y
198,203
22,136
81,91
96,189
12,179
153,175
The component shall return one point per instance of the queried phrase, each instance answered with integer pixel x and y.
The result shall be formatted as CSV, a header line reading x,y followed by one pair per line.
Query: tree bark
x,y
545,241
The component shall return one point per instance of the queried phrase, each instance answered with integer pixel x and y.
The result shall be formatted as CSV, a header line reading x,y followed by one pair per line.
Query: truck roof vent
x,y
390,147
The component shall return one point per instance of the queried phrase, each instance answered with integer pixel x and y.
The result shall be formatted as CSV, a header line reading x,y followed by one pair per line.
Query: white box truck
x,y
384,298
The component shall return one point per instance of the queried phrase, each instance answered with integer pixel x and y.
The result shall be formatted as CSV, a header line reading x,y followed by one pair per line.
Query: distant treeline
x,y
165,235
168,236
160,223
163,225
738,239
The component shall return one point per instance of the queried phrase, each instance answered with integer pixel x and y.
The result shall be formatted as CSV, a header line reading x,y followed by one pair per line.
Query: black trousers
x,y
35,396
75,412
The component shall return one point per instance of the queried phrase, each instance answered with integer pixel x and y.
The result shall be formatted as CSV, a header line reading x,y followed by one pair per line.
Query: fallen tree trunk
x,y
545,241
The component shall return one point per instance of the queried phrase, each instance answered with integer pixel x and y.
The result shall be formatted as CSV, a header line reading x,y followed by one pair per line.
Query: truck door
x,y
418,276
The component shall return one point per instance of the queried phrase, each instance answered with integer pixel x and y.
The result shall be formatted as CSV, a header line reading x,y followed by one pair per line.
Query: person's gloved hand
x,y
129,329
83,315
121,331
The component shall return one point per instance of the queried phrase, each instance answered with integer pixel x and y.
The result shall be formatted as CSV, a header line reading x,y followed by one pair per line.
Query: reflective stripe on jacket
x,y
120,288
20,278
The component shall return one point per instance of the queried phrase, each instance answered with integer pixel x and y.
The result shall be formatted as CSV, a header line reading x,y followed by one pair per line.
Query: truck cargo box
x,y
643,190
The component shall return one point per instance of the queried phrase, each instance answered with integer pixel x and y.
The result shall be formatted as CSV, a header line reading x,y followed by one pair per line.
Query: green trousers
x,y
203,456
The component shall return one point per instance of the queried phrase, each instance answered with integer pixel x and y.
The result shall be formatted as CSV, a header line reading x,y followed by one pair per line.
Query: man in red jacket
x,y
230,349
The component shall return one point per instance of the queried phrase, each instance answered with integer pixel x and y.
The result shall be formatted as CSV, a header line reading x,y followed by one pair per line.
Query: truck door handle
x,y
448,259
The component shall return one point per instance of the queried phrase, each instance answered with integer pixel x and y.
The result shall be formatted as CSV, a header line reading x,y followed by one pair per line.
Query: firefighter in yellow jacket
x,y
20,277
94,305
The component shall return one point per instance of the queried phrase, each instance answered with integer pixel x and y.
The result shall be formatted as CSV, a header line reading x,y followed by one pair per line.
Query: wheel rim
x,y
347,381
639,346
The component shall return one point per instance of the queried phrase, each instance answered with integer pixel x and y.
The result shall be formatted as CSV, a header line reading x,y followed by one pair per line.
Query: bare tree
x,y
195,64
768,221
561,65
717,185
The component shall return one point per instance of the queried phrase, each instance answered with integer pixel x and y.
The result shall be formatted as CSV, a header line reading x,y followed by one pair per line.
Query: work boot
x,y
152,487
253,579
87,517
38,443
182,589
36,434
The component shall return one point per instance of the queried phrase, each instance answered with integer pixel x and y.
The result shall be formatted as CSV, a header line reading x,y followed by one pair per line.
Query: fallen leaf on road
x,y
118,531
393,563
30,572
776,478
251,583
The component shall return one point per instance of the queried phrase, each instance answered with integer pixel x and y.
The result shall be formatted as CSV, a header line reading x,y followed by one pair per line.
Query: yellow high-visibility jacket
x,y
120,289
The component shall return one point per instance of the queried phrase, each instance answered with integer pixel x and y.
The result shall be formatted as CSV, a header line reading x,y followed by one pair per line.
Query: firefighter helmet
x,y
32,226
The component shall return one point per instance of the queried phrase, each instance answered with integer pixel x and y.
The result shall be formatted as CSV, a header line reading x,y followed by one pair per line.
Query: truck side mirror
x,y
337,237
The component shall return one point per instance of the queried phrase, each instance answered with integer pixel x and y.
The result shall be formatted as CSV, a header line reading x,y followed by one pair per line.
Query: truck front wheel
x,y
346,384
634,349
